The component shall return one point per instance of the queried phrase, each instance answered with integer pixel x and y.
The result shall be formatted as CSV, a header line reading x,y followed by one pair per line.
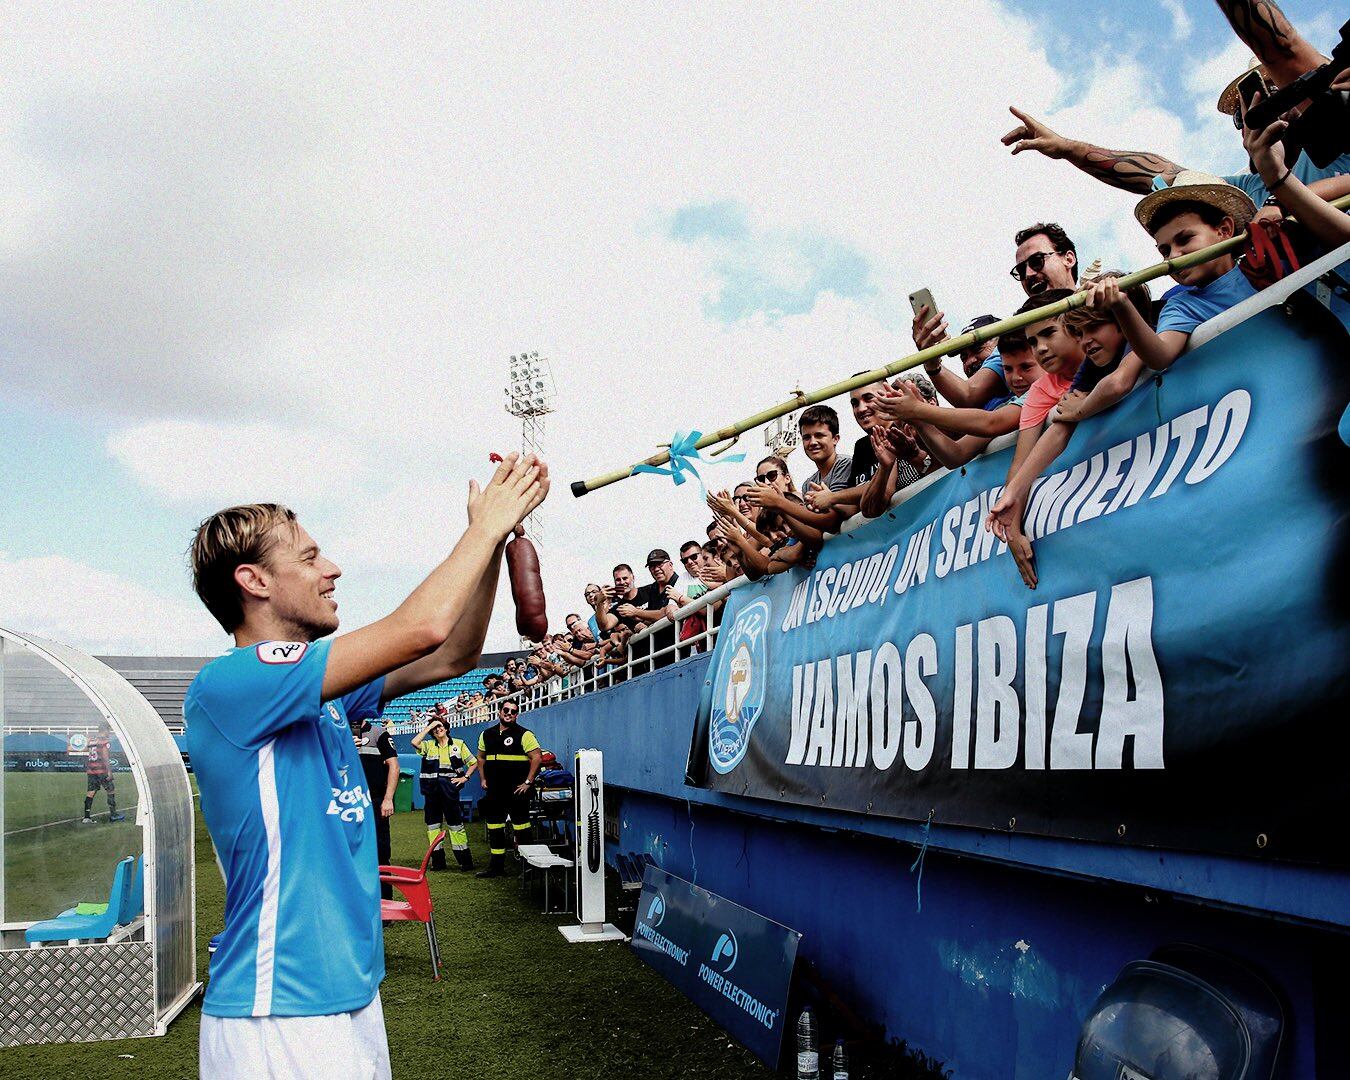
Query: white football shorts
x,y
343,1046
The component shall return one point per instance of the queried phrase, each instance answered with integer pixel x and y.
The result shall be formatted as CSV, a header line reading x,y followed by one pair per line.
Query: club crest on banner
x,y
738,693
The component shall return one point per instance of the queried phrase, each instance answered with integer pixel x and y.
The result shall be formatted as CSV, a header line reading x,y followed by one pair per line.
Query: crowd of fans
x,y
1041,381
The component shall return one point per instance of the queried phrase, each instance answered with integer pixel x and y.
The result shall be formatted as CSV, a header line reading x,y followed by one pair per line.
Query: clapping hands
x,y
817,497
720,502
880,437
902,401
764,496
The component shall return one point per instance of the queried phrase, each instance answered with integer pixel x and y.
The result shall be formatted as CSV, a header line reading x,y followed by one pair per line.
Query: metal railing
x,y
648,650
654,646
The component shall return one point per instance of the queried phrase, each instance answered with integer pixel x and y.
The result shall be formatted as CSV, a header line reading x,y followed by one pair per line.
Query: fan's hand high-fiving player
x,y
294,987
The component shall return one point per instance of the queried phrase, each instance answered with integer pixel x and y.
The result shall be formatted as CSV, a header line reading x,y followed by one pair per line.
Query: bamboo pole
x,y
950,347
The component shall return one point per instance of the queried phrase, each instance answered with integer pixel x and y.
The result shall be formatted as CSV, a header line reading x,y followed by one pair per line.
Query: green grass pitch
x,y
515,999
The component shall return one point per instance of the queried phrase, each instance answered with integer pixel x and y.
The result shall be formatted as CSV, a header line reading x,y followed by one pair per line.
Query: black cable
x,y
593,826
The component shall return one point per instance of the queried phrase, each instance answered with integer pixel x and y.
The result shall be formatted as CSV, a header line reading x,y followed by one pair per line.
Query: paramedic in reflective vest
x,y
446,767
379,762
510,755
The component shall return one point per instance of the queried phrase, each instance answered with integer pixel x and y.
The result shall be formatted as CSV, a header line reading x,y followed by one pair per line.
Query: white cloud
x,y
192,461
99,612
293,253
1181,19
1207,77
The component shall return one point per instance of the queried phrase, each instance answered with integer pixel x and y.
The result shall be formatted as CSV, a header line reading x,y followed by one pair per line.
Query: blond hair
x,y
226,540
1081,318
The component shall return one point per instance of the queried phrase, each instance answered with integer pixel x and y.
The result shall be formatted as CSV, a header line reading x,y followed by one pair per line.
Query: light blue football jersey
x,y
284,798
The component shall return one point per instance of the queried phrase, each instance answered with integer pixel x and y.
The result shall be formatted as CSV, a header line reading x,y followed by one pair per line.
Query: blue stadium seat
x,y
401,708
69,926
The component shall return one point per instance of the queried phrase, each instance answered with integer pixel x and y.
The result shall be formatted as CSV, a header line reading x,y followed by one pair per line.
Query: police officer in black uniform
x,y
509,757
379,761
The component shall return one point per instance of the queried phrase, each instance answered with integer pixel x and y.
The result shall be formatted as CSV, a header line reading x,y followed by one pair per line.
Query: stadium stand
x,y
38,700
162,680
400,709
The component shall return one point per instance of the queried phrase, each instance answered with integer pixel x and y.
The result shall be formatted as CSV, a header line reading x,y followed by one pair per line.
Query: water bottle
x,y
839,1062
808,1061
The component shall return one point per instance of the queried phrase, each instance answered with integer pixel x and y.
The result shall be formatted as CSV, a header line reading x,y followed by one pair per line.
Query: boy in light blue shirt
x,y
1195,212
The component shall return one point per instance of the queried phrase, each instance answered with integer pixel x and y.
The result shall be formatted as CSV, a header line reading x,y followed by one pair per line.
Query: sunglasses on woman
x,y
768,477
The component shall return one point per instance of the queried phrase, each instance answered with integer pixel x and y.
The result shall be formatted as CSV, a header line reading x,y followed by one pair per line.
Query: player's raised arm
x,y
428,618
464,647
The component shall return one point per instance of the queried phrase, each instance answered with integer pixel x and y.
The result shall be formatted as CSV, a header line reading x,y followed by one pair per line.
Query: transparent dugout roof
x,y
77,739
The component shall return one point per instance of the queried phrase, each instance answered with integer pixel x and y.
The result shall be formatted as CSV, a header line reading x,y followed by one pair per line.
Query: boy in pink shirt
x,y
1060,356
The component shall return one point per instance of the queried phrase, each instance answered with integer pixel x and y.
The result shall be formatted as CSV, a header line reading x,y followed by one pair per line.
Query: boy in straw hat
x,y
1195,211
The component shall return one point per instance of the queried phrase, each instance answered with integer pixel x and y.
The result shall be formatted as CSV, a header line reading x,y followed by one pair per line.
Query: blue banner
x,y
733,964
1176,679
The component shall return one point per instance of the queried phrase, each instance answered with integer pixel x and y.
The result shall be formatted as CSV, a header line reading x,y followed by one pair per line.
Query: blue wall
x,y
1017,935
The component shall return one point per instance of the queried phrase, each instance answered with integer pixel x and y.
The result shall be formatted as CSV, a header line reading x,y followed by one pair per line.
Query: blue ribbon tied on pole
x,y
684,453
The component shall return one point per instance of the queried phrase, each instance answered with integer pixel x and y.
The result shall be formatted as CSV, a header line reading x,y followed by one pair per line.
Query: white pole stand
x,y
588,801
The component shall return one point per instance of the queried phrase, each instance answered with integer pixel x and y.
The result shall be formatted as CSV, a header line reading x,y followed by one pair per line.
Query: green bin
x,y
403,794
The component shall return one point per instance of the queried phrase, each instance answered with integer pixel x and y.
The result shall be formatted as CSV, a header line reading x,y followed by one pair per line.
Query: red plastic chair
x,y
417,905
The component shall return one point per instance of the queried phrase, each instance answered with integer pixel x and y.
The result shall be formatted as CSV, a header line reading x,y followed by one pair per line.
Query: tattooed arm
x,y
1132,170
1261,24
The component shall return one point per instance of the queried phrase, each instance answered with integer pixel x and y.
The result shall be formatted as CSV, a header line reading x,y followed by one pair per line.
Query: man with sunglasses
x,y
691,558
1046,258
509,757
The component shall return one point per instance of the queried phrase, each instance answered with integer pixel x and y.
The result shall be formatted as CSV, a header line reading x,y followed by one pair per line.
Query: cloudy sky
x,y
251,255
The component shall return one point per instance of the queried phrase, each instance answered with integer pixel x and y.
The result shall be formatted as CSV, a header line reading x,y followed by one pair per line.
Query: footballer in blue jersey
x,y
305,864
294,983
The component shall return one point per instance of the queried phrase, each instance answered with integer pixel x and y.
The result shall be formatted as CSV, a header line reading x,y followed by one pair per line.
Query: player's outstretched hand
x,y
519,485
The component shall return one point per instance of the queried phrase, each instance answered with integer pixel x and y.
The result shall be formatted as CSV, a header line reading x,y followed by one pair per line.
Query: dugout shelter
x,y
117,878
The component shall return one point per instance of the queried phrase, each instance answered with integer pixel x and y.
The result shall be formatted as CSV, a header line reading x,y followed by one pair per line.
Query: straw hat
x,y
1197,187
1228,100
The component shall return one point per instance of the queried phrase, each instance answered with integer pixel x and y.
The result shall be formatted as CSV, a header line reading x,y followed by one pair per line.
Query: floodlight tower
x,y
781,436
529,396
